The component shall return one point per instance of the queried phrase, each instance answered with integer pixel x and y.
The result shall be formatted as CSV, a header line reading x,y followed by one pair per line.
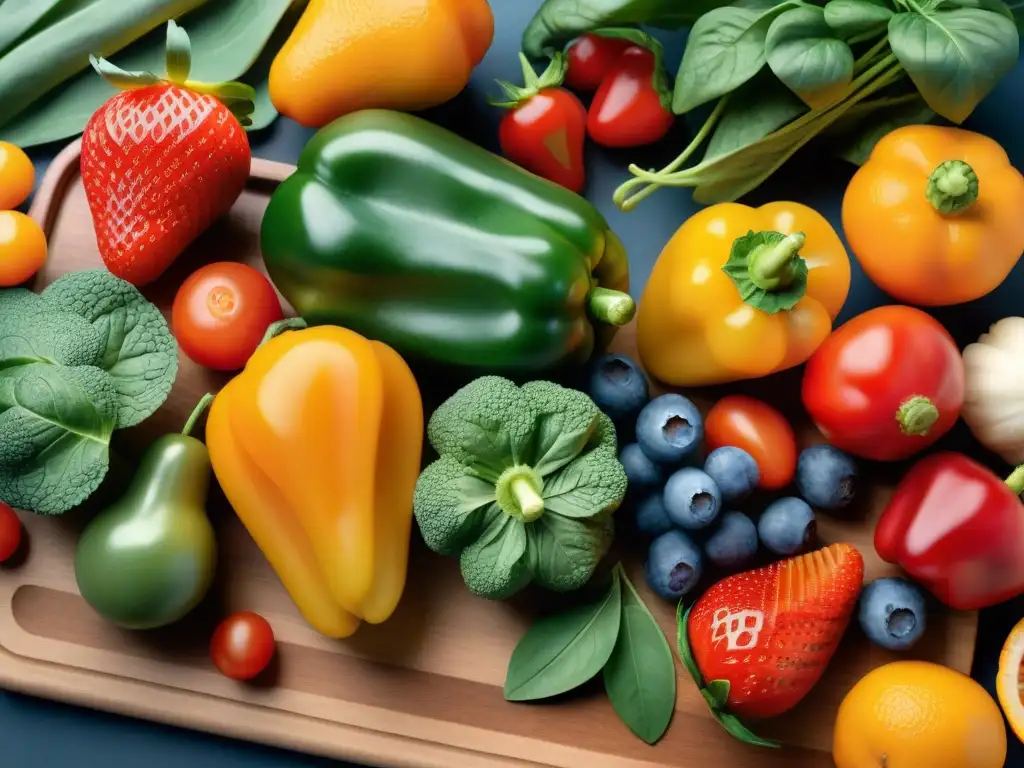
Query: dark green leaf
x,y
718,690
562,651
805,54
559,21
564,552
756,110
853,18
640,676
1013,11
877,120
500,554
954,57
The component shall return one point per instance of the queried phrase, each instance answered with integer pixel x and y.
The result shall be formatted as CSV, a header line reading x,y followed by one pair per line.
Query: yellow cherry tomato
x,y
16,176
22,248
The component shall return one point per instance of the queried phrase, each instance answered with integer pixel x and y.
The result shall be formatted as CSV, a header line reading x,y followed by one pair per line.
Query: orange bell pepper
x,y
936,215
346,55
317,445
741,292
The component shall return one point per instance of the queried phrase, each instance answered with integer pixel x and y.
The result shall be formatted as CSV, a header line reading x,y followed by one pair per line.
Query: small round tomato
x,y
590,58
221,313
242,645
627,109
760,430
16,176
22,248
10,532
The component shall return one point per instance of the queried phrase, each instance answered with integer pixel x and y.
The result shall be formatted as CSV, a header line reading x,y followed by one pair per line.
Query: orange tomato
x,y
760,430
22,248
16,176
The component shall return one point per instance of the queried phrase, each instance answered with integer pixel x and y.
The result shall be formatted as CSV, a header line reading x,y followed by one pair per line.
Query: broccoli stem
x,y
531,505
518,493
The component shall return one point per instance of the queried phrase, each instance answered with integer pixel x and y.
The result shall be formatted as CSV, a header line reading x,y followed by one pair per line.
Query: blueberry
x,y
734,470
651,517
669,429
733,545
674,564
618,386
787,526
826,477
641,472
692,499
892,613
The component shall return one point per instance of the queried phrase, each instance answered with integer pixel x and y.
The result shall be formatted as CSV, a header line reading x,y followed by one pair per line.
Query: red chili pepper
x,y
590,58
544,129
886,384
628,111
958,529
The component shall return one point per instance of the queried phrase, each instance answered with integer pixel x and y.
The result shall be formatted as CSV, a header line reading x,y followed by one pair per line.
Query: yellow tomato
x,y
22,248
16,176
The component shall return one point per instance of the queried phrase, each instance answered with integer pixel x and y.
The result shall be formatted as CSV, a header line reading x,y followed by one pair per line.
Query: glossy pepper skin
x,y
740,292
317,446
411,235
934,215
958,529
346,55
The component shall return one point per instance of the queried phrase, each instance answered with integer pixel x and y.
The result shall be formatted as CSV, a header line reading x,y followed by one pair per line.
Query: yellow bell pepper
x,y
741,292
317,446
346,55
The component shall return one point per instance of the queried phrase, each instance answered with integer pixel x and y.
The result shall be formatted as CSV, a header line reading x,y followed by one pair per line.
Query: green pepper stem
x,y
610,306
197,413
952,187
771,266
1016,480
280,326
916,415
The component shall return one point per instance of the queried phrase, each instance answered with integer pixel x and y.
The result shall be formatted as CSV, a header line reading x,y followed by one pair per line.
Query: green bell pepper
x,y
408,234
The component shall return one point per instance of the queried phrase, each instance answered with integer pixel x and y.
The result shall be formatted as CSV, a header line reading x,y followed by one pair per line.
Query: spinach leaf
x,y
564,552
854,18
805,54
757,109
585,488
55,428
874,119
640,676
954,57
137,348
1014,13
500,550
725,49
562,651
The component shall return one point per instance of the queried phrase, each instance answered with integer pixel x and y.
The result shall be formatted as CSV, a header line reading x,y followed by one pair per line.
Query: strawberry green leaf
x,y
738,730
719,692
120,78
179,53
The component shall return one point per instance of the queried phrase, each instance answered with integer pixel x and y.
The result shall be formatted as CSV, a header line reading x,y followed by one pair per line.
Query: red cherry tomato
x,y
544,135
627,109
760,430
242,646
221,313
886,384
590,58
10,532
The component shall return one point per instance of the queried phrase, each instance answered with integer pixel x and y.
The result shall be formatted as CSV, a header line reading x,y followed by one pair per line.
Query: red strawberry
x,y
161,162
763,638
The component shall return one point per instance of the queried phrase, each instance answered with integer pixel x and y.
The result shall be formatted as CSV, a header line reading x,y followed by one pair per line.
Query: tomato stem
x,y
952,187
916,415
771,267
1016,480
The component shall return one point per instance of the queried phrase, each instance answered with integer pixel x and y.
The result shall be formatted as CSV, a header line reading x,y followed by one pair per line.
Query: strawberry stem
x,y
533,83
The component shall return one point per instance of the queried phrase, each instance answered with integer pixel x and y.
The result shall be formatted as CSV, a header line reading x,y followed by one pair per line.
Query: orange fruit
x,y
16,176
1010,679
22,248
913,714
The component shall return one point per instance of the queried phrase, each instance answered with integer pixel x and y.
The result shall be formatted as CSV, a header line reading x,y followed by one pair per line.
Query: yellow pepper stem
x,y
916,415
952,187
518,493
197,412
772,267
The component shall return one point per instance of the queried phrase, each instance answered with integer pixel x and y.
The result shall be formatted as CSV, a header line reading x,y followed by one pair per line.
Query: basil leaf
x,y
805,54
954,57
500,551
563,552
640,676
725,49
562,651
877,118
996,6
586,487
756,110
850,18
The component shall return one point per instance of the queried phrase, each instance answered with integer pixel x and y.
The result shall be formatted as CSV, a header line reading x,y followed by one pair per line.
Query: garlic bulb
x,y
994,397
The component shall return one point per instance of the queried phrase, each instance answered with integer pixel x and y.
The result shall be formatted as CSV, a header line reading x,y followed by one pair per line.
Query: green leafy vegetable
x,y
954,57
756,110
857,18
614,634
805,54
563,651
18,17
878,118
640,675
524,488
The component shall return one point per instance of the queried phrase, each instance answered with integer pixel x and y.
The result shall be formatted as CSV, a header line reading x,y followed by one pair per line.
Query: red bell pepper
x,y
958,529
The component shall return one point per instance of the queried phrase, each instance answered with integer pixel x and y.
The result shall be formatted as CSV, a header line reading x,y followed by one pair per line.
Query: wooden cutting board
x,y
425,688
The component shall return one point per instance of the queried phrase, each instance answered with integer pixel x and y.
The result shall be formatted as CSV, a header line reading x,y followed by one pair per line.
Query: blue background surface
x,y
40,734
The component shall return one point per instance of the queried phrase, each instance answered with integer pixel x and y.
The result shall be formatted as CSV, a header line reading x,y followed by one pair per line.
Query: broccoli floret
x,y
31,331
524,488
